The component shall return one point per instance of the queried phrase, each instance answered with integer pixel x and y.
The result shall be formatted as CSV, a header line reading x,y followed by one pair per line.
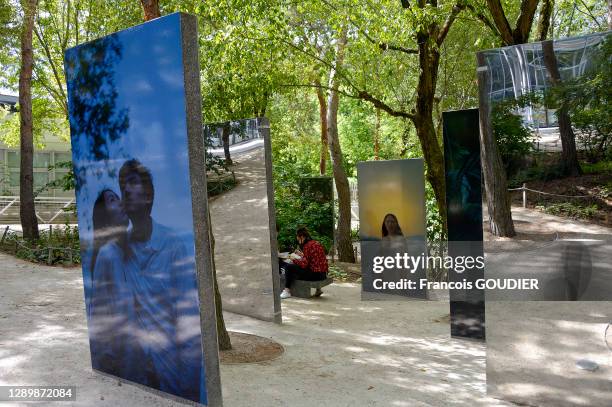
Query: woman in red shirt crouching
x,y
310,266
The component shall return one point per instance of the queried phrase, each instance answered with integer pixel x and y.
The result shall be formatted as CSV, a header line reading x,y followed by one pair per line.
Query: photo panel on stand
x,y
392,228
136,138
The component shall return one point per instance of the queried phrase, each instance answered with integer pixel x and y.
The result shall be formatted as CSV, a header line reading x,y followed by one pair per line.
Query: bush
x,y
600,167
512,136
541,172
570,210
57,247
296,212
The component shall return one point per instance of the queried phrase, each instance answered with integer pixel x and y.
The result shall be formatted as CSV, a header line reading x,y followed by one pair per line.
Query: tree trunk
x,y
224,340
151,9
498,198
27,211
544,20
569,155
226,142
423,122
323,121
343,231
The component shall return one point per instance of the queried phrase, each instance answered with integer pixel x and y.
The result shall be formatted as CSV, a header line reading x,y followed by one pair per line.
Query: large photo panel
x,y
392,228
137,146
243,220
464,219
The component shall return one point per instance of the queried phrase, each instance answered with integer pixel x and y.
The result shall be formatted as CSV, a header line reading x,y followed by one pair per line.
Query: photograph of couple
x,y
143,291
129,140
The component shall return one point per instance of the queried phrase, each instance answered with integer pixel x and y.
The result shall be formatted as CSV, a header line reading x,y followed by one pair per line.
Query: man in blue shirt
x,y
160,270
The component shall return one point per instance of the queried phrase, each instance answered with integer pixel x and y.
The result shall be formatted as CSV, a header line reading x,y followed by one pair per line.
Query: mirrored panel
x,y
242,217
549,107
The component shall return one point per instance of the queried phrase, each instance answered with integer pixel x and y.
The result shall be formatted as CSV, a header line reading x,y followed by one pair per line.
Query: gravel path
x,y
339,351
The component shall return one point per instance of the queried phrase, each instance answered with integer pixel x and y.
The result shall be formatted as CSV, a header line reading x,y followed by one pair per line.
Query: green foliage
x,y
587,99
297,212
357,128
512,135
337,273
538,172
57,247
47,120
571,17
571,210
600,167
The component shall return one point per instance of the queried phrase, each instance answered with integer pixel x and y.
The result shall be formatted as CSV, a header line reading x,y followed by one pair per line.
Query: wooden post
x,y
50,256
50,232
524,195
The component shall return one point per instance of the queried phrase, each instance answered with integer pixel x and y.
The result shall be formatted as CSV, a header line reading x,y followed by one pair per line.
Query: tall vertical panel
x,y
391,227
138,158
464,209
560,92
243,218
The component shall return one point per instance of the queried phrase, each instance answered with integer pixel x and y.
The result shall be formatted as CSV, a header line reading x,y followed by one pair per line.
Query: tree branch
x,y
500,21
361,95
384,46
457,8
484,19
364,95
54,69
544,20
321,60
525,21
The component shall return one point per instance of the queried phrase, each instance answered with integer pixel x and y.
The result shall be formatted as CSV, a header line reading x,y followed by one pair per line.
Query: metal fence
x,y
48,209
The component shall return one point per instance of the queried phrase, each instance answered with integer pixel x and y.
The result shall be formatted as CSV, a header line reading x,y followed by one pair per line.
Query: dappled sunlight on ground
x,y
341,351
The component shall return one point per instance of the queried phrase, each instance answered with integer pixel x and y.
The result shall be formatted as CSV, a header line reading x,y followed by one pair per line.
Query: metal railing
x,y
524,189
48,209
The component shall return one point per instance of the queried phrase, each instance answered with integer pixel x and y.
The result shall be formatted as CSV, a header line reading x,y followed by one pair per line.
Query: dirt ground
x,y
339,351
592,187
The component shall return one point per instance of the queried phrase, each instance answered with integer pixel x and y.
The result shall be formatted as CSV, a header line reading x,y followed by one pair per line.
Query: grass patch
x,y
597,168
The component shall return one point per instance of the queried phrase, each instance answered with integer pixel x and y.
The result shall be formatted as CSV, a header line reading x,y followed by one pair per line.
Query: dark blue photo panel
x,y
135,123
464,219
